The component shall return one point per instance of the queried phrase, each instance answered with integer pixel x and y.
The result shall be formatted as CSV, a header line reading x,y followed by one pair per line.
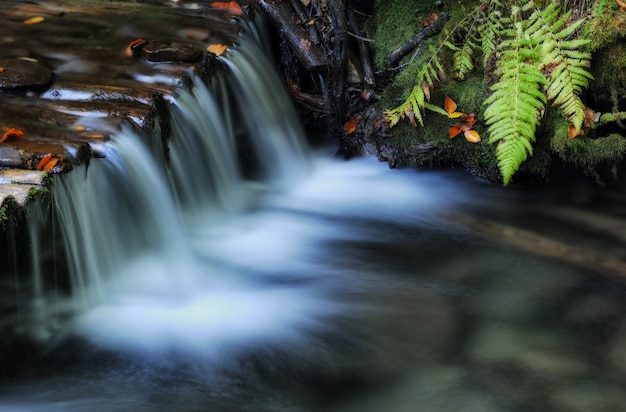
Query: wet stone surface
x,y
69,78
166,51
10,157
20,74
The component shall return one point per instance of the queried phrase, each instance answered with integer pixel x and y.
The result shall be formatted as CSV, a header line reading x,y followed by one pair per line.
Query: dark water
x,y
356,291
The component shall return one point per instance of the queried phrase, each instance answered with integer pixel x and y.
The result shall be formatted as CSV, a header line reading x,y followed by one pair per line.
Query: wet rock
x,y
10,157
590,396
538,351
20,74
22,177
529,289
167,51
618,349
435,389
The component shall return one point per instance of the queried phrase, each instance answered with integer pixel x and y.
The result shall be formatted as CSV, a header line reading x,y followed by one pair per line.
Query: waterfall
x,y
138,279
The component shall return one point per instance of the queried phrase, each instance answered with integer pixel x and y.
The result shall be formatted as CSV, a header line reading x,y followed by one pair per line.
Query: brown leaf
x,y
350,125
469,118
217,49
454,131
231,7
12,134
47,163
450,106
133,47
426,89
572,132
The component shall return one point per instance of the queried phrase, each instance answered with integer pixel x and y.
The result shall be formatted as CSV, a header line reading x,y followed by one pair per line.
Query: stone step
x,y
69,79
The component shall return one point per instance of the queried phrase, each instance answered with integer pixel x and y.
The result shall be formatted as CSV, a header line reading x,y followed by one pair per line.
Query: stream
x,y
256,273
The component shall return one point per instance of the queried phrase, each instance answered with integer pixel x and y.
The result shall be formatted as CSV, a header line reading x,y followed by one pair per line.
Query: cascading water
x,y
139,280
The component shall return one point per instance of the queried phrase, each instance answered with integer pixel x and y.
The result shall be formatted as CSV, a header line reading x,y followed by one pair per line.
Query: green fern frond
x,y
410,109
490,30
562,61
432,72
516,105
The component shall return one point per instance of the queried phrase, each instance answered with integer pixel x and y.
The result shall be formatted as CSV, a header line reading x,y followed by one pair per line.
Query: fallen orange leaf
x,y
132,46
350,125
1,69
572,132
47,163
11,134
454,131
471,136
231,7
621,4
469,118
34,20
450,106
217,49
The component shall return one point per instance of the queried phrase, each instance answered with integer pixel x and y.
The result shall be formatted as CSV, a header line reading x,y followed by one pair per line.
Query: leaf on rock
x,y
47,163
350,125
133,47
34,20
217,49
231,7
12,134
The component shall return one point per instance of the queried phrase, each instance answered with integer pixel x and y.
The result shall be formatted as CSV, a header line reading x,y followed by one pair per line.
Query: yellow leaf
x,y
34,20
471,136
450,106
217,49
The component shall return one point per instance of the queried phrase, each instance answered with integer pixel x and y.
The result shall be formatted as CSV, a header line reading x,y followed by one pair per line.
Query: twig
x,y
540,245
396,55
366,64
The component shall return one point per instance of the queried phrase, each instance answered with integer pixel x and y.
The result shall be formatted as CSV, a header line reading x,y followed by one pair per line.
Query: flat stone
x,y
167,51
23,74
18,191
21,176
10,157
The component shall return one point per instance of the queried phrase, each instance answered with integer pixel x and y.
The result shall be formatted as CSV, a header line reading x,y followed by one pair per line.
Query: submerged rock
x,y
167,51
17,74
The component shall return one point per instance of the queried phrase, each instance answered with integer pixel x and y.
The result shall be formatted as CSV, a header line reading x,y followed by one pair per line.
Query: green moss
x,y
609,67
394,23
607,26
588,153
10,210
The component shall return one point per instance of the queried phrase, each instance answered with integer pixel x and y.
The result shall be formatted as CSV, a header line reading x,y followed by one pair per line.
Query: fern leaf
x,y
562,61
516,105
411,109
462,60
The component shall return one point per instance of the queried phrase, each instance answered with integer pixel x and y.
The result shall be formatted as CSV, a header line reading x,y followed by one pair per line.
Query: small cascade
x,y
138,279
273,127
